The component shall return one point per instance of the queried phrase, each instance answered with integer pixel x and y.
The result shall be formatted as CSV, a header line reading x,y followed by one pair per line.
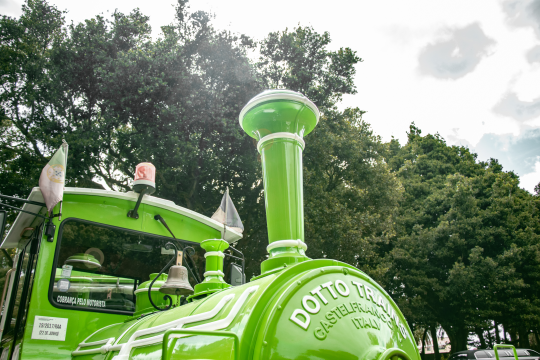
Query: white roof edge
x,y
12,237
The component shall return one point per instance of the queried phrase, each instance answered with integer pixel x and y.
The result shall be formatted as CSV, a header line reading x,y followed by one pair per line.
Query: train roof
x,y
24,220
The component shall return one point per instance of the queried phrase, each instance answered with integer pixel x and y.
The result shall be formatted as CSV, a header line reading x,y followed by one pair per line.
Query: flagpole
x,y
66,147
225,222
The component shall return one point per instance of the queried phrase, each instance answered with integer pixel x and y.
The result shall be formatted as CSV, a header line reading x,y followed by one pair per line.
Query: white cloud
x,y
517,109
523,13
530,180
457,54
533,55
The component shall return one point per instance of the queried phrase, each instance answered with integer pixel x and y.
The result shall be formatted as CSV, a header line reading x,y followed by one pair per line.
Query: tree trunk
x,y
480,334
424,344
537,345
524,337
458,338
435,340
513,337
497,336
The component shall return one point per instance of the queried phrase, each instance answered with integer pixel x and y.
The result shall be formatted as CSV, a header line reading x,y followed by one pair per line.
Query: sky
x,y
467,70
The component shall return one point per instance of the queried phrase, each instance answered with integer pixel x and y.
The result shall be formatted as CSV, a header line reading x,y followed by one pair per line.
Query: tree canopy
x,y
466,255
454,240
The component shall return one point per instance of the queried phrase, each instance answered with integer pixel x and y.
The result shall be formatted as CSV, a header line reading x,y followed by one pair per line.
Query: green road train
x,y
82,286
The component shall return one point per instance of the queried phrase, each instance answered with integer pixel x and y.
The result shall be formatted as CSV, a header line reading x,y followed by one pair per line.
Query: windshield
x,y
99,267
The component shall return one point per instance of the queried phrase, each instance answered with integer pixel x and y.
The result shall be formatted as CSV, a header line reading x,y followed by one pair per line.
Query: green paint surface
x,y
81,323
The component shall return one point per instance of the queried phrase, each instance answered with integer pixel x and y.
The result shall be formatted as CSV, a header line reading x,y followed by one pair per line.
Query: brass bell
x,y
177,283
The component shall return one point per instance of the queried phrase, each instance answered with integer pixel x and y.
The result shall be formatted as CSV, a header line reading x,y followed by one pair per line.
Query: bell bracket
x,y
166,297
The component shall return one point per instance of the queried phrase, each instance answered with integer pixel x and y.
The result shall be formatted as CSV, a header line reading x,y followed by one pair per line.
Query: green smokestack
x,y
279,119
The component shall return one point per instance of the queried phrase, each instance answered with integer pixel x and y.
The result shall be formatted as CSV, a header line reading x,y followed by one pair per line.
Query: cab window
x,y
98,267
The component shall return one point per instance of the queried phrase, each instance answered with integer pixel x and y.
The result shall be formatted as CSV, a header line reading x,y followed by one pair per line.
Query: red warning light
x,y
145,177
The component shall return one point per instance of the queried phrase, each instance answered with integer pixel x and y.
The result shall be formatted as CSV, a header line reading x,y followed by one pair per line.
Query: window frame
x,y
57,254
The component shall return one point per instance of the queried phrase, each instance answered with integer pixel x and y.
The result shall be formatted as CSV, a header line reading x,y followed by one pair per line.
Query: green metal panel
x,y
352,324
283,186
216,344
348,317
109,211
112,211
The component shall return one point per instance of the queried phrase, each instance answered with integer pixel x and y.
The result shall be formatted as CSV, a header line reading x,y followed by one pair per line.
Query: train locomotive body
x,y
318,309
297,308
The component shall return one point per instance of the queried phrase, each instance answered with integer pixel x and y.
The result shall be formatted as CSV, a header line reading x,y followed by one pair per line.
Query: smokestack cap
x,y
272,110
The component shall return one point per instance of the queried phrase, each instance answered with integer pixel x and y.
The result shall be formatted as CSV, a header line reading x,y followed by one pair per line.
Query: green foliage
x,y
299,60
350,195
468,241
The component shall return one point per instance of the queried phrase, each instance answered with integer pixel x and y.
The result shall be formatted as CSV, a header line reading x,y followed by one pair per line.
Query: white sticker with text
x,y
49,328
66,271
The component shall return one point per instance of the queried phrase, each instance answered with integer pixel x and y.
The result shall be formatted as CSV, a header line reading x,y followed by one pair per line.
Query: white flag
x,y
227,214
53,177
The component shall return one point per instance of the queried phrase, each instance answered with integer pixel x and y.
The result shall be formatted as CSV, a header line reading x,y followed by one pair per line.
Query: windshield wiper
x,y
188,256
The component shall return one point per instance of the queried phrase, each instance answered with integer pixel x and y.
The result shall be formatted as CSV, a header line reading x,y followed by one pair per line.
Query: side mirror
x,y
237,276
3,217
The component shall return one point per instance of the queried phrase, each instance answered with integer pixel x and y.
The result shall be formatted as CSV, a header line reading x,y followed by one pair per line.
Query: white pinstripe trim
x,y
107,343
146,290
281,135
287,243
125,349
214,253
213,273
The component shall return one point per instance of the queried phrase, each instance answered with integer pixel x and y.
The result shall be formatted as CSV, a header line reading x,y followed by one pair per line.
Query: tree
x,y
466,249
350,195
